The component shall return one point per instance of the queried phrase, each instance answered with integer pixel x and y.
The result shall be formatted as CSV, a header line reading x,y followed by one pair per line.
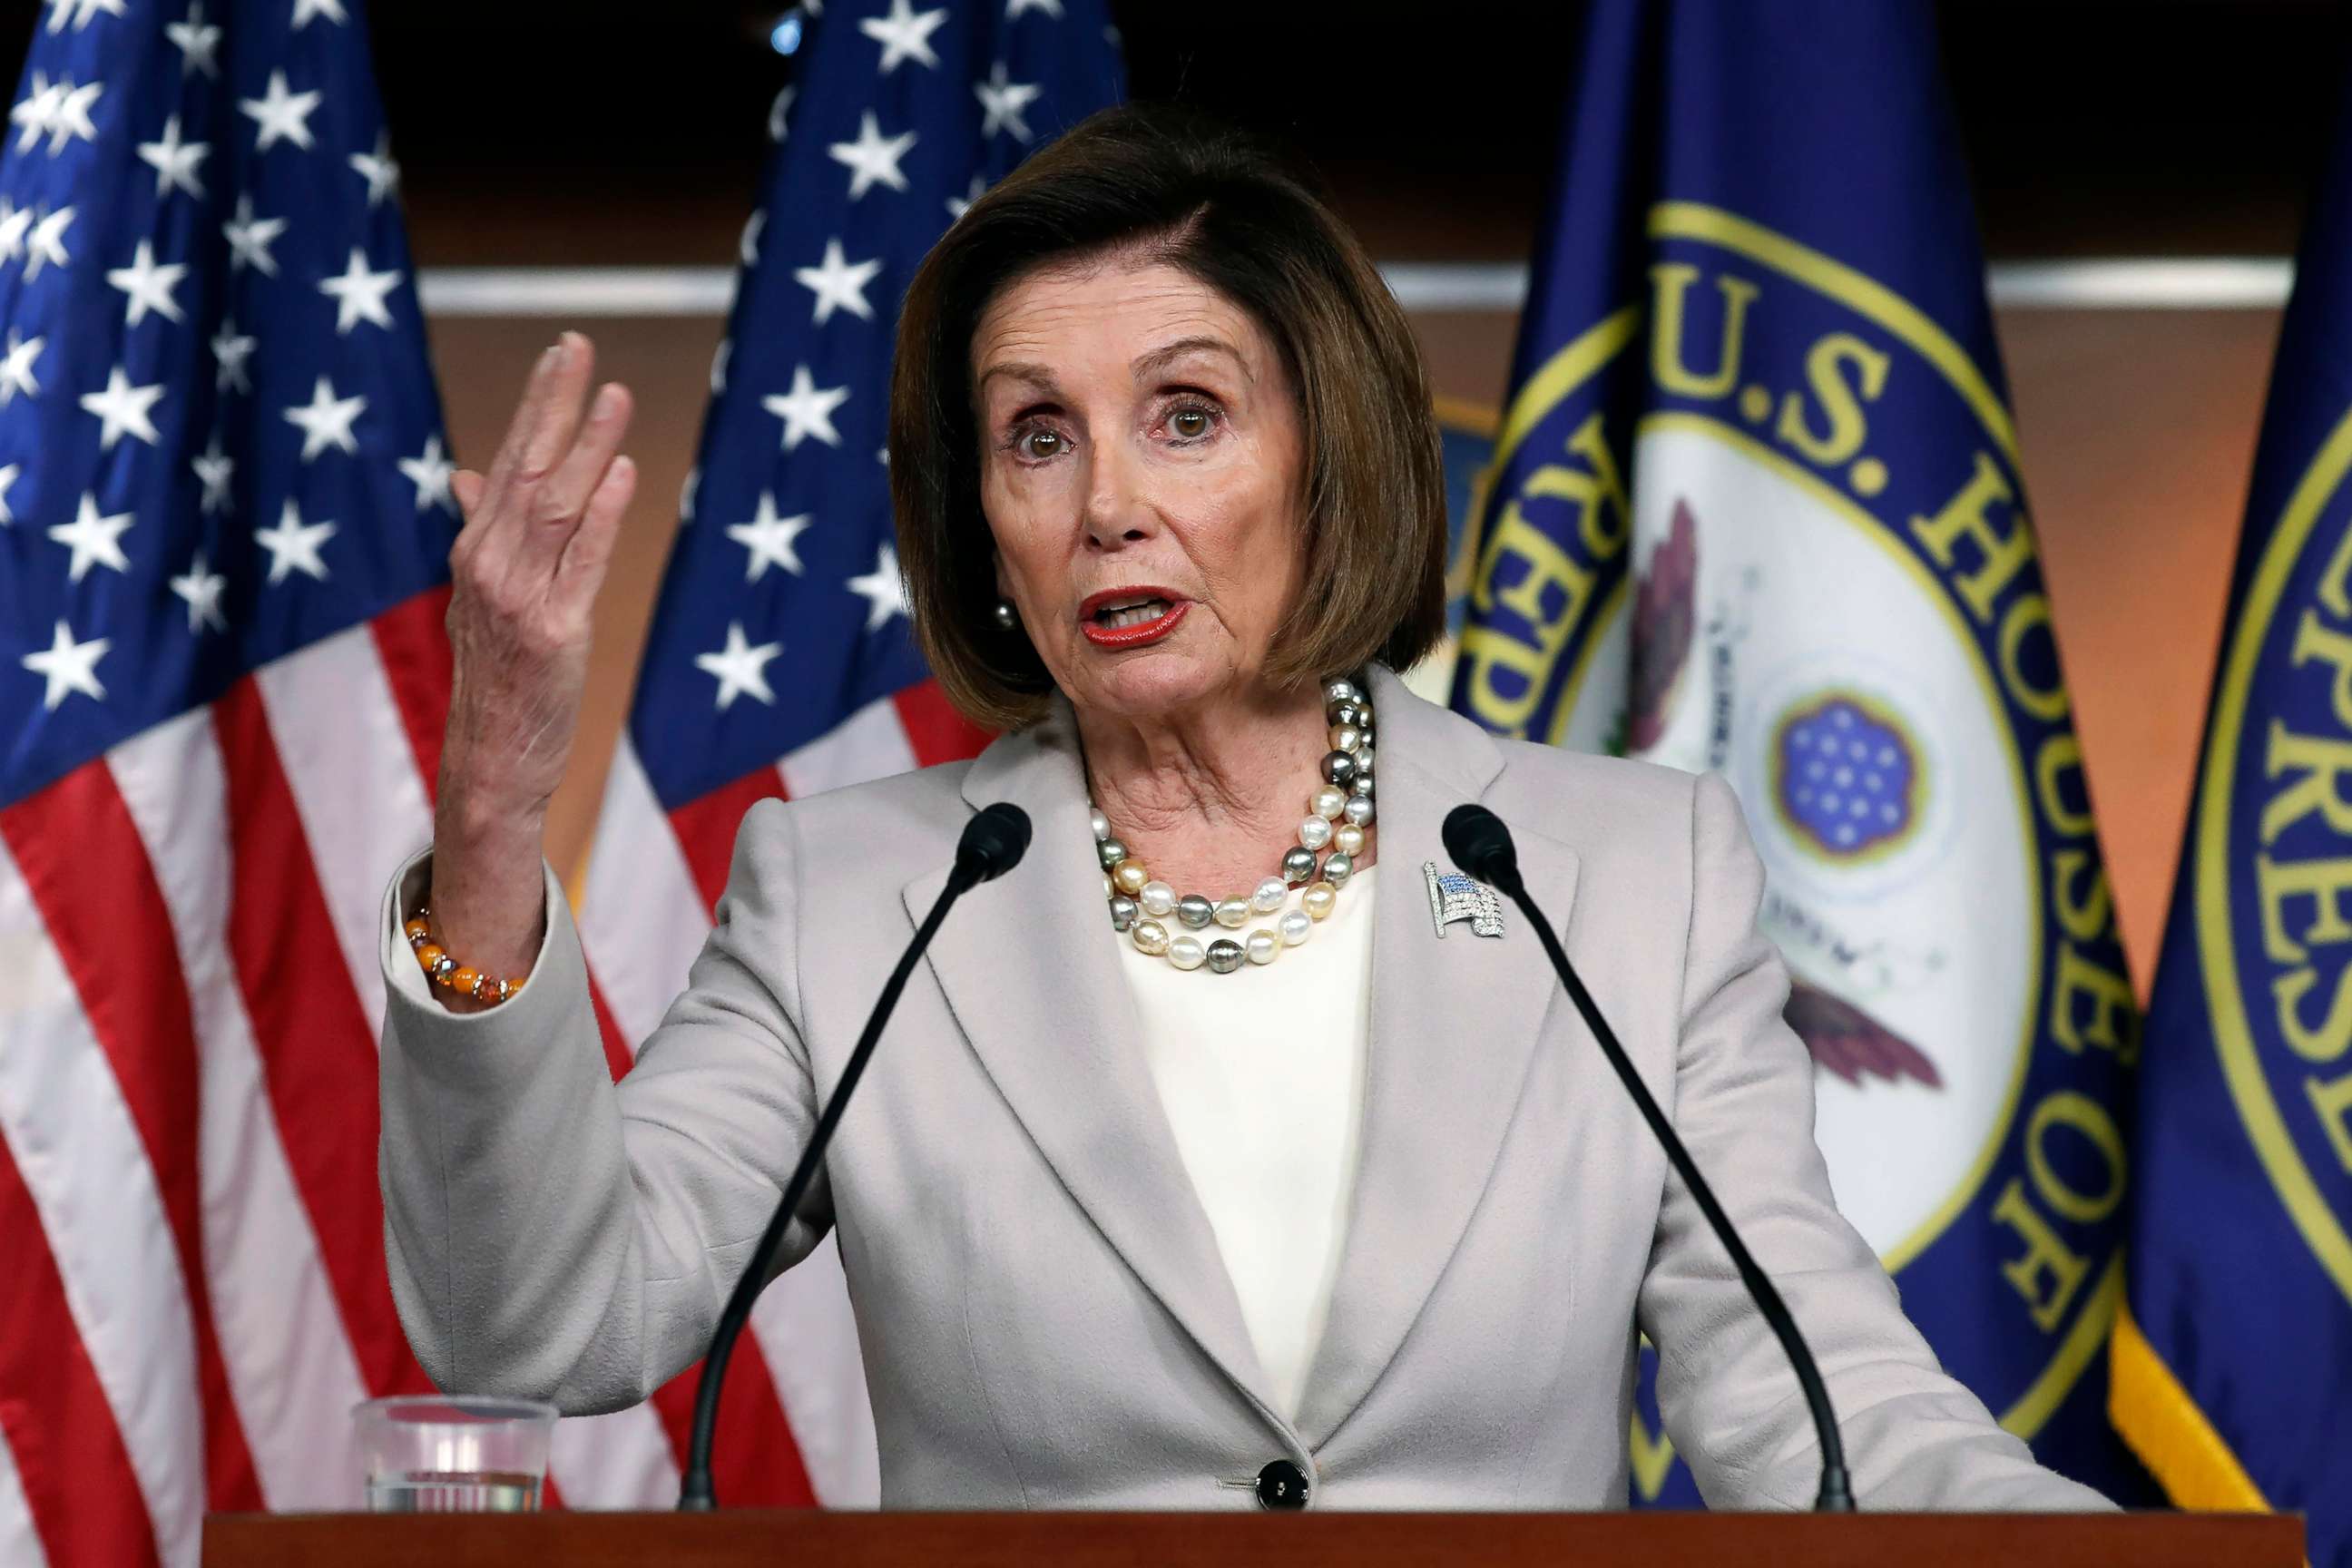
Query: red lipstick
x,y
1138,632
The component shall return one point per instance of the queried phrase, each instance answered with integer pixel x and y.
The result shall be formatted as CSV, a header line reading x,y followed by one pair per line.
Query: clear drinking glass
x,y
454,1453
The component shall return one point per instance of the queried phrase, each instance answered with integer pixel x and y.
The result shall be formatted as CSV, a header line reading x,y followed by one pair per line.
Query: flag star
x,y
780,114
37,112
284,116
686,493
68,665
202,590
70,118
359,294
769,539
1001,102
16,367
835,282
8,476
81,11
196,42
1014,9
959,205
46,244
739,666
326,420
429,472
717,369
293,545
873,157
215,468
250,238
147,285
124,407
174,162
806,410
232,349
382,173
304,10
884,591
95,540
903,33
747,248
13,221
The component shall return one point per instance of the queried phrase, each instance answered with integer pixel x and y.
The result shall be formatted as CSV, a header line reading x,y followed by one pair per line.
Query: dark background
x,y
2092,127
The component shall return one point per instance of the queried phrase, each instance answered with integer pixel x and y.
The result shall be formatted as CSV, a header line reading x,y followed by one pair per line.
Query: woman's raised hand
x,y
538,534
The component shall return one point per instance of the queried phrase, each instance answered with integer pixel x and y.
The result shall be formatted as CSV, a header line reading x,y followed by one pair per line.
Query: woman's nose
x,y
1116,513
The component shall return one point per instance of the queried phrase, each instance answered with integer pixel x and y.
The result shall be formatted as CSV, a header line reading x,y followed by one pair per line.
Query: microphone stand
x,y
982,855
1499,864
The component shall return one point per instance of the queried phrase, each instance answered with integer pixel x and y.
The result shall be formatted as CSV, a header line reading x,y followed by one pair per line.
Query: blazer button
x,y
1282,1485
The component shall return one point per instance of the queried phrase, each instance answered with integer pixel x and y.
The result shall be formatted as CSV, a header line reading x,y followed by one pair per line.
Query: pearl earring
x,y
1007,620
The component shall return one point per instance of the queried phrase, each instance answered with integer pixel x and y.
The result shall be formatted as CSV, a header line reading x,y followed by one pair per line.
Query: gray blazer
x,y
1046,1319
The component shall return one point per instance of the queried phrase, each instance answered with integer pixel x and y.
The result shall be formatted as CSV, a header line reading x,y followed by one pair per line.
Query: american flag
x,y
224,514
779,662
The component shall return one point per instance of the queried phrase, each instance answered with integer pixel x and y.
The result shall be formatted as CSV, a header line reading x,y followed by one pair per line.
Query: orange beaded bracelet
x,y
446,971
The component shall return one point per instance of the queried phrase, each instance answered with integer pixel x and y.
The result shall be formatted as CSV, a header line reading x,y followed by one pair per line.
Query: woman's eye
x,y
1038,444
1190,424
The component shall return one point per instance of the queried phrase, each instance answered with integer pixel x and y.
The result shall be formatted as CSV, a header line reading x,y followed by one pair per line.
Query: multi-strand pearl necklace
x,y
1339,820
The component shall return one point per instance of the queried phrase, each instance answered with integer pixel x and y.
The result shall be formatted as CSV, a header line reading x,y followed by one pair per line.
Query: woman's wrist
x,y
489,894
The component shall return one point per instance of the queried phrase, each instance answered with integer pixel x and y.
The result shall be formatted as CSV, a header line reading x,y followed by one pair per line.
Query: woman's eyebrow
x,y
1158,359
1036,376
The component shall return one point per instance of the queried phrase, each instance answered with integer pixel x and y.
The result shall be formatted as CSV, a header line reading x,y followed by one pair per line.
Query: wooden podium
x,y
809,1538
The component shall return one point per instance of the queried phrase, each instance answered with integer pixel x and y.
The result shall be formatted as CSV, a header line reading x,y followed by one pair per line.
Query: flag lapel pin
x,y
1454,897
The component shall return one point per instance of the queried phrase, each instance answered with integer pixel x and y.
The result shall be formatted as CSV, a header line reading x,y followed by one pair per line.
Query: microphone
x,y
1480,843
993,842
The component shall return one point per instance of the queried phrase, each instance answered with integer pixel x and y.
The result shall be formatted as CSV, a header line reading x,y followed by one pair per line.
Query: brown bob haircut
x,y
1162,184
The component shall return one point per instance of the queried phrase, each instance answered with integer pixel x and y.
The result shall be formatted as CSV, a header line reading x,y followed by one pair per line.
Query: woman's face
x,y
1140,462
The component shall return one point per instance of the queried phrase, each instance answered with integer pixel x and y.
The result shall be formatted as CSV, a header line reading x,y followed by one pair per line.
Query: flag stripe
x,y
413,641
804,1322
313,1035
281,1331
870,743
707,827
20,1542
82,860
75,1475
642,918
344,751
622,1459
934,729
77,1153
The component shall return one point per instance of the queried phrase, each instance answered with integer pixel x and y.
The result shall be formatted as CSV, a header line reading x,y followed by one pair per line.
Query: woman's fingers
x,y
529,411
466,486
559,416
552,507
582,570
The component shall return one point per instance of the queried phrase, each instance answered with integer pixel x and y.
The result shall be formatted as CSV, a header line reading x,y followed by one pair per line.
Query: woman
x,y
1195,1168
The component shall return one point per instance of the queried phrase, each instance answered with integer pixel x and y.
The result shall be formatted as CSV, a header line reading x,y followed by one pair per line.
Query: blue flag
x,y
898,117
2233,1365
219,436
1755,509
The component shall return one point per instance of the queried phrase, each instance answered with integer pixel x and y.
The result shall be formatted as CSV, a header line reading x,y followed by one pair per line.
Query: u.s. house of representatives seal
x,y
1766,520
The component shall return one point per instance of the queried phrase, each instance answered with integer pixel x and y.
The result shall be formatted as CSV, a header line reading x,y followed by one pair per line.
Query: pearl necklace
x,y
1339,819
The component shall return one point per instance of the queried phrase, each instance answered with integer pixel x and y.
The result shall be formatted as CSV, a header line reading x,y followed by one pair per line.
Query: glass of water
x,y
454,1453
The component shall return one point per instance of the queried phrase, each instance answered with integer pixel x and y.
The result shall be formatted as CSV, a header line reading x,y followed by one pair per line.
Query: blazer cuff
x,y
413,1013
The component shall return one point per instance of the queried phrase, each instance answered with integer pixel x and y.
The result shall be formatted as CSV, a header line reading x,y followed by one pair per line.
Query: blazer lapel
x,y
1031,975
1454,1023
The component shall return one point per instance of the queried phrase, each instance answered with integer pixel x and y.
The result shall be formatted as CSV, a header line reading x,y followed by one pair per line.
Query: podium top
x,y
1250,1540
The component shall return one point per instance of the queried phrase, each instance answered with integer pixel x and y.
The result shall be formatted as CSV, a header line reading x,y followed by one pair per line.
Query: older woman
x,y
1196,1170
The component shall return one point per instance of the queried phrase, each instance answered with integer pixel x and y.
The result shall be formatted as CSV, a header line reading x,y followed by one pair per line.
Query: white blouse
x,y
1262,1075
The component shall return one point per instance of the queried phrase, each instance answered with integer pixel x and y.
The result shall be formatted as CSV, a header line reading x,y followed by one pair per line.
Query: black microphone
x,y
1480,843
993,842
